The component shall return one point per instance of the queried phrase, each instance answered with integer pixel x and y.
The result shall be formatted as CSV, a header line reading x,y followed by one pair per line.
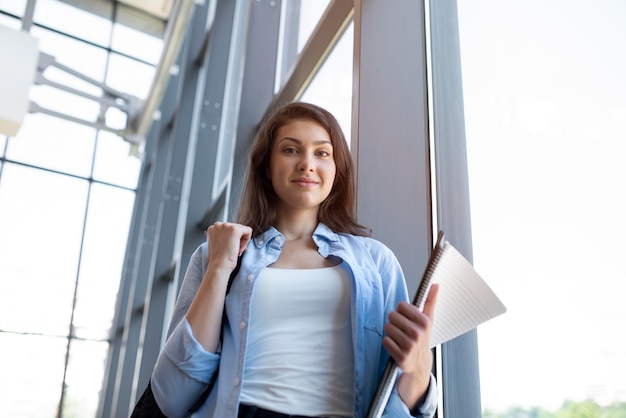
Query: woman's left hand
x,y
407,340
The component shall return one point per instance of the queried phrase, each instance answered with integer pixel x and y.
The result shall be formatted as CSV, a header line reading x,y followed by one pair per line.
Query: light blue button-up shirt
x,y
184,367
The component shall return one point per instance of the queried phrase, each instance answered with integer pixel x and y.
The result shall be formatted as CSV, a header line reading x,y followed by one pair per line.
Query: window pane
x,y
106,232
311,12
332,86
137,44
41,219
298,20
78,56
10,22
3,145
545,107
32,375
73,21
113,163
16,7
129,76
85,371
54,143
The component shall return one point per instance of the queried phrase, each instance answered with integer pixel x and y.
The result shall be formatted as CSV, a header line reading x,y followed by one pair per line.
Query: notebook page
x,y
464,300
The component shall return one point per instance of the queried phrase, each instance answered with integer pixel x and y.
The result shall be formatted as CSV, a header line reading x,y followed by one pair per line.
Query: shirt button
x,y
250,277
242,325
261,242
236,381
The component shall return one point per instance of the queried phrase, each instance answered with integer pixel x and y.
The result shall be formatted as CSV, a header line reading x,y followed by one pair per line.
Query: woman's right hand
x,y
227,241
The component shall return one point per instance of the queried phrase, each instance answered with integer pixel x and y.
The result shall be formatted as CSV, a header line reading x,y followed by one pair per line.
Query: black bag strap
x,y
208,389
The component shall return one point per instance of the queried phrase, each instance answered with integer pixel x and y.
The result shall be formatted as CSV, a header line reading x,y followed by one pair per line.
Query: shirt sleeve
x,y
395,292
397,408
184,368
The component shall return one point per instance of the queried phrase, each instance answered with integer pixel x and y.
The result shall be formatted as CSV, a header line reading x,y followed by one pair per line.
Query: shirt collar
x,y
322,236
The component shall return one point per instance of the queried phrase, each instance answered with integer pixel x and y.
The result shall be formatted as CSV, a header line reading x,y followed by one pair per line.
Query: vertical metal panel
x,y
257,87
289,38
459,358
181,145
142,302
127,283
201,200
131,311
390,129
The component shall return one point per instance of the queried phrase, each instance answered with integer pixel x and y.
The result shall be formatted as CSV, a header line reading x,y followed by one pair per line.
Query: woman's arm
x,y
189,360
226,242
408,342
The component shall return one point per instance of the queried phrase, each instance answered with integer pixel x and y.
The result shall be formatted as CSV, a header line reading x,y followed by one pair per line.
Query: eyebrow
x,y
299,141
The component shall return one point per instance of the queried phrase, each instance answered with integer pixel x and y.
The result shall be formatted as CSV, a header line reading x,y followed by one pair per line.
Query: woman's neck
x,y
296,225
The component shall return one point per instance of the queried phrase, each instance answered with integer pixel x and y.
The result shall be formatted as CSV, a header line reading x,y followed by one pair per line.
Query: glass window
x,y
135,43
129,76
311,12
331,87
10,22
298,20
71,20
3,144
41,219
15,7
113,163
32,374
78,56
545,108
85,371
54,143
106,232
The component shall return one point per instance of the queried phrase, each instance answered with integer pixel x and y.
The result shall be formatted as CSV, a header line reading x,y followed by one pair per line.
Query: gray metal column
x,y
155,217
205,204
390,129
182,142
127,281
459,358
257,85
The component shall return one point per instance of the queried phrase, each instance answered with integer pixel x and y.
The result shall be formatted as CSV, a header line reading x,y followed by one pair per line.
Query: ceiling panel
x,y
158,8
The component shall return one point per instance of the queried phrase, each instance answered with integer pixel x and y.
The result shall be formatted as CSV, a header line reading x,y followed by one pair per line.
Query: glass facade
x,y
94,241
67,192
545,104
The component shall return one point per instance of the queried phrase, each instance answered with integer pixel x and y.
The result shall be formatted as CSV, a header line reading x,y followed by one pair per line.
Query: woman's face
x,y
302,165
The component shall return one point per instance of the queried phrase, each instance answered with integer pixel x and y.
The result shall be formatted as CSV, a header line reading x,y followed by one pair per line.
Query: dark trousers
x,y
247,411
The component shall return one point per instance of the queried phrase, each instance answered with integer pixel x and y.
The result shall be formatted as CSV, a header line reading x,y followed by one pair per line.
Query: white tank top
x,y
299,357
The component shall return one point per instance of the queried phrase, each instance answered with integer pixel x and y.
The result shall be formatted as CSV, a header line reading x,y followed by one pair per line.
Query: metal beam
x,y
328,31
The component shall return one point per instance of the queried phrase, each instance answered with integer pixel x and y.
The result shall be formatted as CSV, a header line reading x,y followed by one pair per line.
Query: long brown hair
x,y
257,207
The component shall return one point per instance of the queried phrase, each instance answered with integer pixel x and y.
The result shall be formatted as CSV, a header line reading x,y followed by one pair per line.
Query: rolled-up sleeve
x,y
397,408
182,372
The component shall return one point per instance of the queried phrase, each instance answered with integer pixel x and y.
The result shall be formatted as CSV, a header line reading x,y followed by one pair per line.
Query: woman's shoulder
x,y
372,245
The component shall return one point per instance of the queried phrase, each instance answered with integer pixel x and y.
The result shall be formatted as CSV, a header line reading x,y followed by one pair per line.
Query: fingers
x,y
408,330
431,301
227,240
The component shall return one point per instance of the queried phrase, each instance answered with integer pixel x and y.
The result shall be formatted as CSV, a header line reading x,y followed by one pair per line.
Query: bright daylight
x,y
97,226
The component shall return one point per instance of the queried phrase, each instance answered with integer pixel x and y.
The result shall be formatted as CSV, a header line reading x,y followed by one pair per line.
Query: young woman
x,y
317,306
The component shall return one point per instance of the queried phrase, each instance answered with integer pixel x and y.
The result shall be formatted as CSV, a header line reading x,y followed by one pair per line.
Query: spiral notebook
x,y
464,301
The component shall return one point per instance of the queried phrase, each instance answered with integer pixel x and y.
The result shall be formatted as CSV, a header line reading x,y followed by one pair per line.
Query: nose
x,y
306,163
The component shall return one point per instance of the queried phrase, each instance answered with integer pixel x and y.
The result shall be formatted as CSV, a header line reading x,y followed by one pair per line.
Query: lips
x,y
305,182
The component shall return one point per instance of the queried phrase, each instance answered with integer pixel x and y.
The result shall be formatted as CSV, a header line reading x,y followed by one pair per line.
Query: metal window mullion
x,y
257,87
459,378
328,31
134,250
390,129
200,200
